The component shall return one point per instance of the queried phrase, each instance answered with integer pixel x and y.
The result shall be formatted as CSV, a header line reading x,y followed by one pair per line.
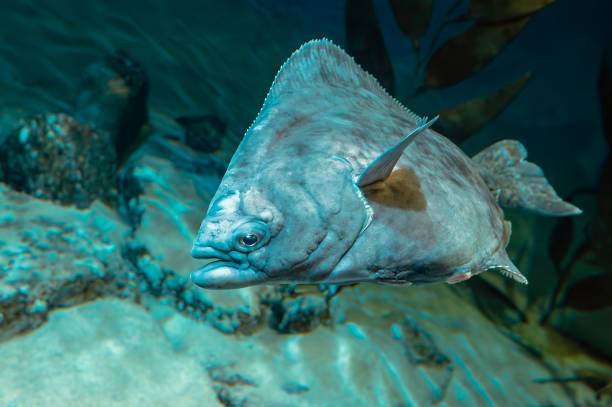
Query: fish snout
x,y
227,270
208,252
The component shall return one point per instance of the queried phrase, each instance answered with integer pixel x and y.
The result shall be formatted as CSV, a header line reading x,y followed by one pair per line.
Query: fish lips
x,y
224,273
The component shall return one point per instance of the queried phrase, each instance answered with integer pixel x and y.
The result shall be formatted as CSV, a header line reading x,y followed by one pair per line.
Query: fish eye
x,y
250,235
249,240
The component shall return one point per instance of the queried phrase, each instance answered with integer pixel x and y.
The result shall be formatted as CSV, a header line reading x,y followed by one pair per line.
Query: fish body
x,y
336,182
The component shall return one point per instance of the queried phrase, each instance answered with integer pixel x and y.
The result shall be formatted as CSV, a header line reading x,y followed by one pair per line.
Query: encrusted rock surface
x,y
55,157
116,353
106,353
53,256
203,133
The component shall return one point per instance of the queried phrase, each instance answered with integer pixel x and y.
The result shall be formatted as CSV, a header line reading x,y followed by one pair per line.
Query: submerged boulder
x,y
112,97
74,159
54,257
55,157
203,133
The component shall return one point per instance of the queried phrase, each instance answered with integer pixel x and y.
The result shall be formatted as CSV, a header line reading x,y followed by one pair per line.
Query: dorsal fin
x,y
382,166
320,63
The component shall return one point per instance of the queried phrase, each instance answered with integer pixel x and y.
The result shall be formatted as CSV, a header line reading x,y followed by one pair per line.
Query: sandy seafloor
x,y
102,328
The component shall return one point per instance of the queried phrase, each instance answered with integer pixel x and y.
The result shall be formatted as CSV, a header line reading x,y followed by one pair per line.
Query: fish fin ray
x,y
502,263
504,167
383,165
319,63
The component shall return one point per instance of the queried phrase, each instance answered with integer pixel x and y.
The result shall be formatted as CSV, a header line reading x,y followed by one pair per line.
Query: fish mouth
x,y
223,273
207,252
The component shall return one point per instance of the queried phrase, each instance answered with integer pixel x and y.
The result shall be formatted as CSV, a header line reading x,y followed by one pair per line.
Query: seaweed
x,y
470,52
485,28
592,292
600,383
462,121
413,17
364,40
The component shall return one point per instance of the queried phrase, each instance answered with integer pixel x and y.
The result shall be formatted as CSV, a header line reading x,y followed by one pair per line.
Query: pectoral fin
x,y
382,166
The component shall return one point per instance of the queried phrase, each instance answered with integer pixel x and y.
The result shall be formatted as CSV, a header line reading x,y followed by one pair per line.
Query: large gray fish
x,y
335,182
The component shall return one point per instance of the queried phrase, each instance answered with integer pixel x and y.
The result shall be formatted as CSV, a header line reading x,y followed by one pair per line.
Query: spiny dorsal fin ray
x,y
321,63
382,166
502,263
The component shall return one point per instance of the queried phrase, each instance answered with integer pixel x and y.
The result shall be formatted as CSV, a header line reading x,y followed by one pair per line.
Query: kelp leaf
x,y
364,41
600,382
504,10
561,240
590,293
605,97
460,122
412,16
465,54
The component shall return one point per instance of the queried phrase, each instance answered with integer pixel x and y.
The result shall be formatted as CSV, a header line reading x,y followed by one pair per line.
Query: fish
x,y
335,182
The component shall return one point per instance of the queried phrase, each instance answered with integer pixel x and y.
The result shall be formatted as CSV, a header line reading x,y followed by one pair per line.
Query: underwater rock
x,y
55,157
205,169
113,98
294,388
172,201
289,312
203,133
9,120
108,348
230,314
128,197
53,257
421,349
224,381
106,353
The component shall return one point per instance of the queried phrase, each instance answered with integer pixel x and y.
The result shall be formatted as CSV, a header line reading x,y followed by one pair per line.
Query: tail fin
x,y
519,183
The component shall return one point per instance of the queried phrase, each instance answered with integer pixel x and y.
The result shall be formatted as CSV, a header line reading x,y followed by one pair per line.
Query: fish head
x,y
292,221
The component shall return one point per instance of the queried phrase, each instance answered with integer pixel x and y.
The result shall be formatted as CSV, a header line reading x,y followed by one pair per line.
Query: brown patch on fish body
x,y
401,190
